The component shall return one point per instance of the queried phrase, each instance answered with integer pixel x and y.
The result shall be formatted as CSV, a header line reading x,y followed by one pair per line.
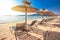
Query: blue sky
x,y
51,5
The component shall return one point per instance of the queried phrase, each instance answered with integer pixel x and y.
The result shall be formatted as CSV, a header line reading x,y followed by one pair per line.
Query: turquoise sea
x,y
17,18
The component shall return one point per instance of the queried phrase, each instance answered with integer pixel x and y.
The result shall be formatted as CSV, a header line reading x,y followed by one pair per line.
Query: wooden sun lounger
x,y
45,20
33,22
42,21
21,26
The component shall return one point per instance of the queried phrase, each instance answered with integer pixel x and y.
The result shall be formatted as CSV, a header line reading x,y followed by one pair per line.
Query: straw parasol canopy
x,y
48,13
44,12
22,8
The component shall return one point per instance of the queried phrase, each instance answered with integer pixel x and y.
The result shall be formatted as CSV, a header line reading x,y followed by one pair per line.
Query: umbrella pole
x,y
26,18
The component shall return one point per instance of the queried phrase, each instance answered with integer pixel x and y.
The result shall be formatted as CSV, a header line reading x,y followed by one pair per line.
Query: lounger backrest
x,y
19,25
42,21
33,22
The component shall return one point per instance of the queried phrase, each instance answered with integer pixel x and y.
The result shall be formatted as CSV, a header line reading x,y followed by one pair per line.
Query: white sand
x,y
5,31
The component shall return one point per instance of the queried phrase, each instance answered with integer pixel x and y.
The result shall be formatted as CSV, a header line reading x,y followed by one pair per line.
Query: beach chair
x,y
33,22
42,21
19,26
46,20
22,25
13,29
50,19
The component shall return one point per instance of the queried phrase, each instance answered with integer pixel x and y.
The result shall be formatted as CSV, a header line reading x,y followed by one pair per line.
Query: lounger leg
x,y
15,36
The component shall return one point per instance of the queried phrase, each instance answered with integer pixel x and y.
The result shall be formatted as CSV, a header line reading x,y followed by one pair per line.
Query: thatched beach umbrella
x,y
24,8
48,13
44,12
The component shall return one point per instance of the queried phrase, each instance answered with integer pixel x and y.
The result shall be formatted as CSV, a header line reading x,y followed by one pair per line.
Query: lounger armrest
x,y
12,29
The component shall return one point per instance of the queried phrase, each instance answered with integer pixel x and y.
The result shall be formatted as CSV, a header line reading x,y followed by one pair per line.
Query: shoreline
x,y
28,21
20,21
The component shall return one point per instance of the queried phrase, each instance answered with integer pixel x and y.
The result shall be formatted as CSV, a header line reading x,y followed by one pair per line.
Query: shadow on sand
x,y
51,35
56,25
